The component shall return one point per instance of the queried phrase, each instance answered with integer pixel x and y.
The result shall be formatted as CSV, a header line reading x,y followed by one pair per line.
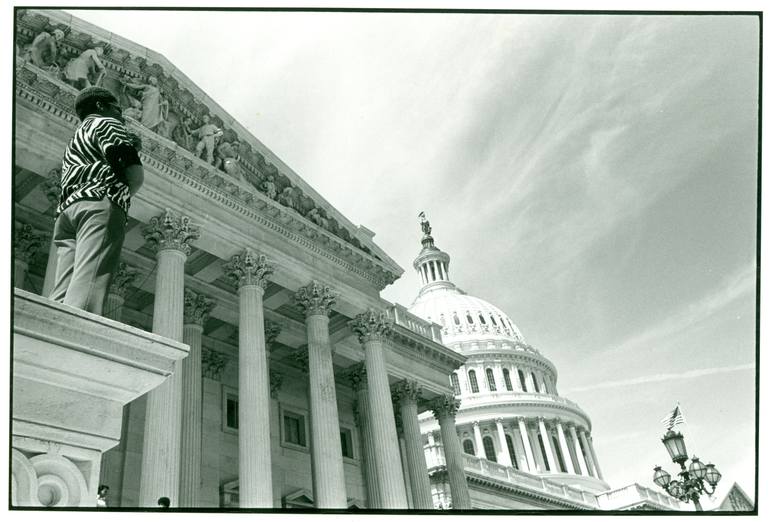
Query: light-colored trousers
x,y
88,236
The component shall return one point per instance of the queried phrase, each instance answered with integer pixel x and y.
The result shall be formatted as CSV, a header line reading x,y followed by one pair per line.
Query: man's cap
x,y
92,93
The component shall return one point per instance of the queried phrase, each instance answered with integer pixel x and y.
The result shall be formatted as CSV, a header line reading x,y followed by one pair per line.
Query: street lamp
x,y
692,480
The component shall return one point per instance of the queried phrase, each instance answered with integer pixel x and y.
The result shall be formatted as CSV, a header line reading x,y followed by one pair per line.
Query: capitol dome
x,y
511,415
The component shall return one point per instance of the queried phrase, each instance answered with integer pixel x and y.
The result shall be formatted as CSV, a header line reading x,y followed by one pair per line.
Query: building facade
x,y
299,385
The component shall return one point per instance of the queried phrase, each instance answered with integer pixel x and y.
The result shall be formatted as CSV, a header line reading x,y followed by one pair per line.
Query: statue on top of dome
x,y
424,223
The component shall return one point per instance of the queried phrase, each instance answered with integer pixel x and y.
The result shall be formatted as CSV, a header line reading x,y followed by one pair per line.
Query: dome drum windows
x,y
468,448
489,449
522,381
507,379
491,380
472,380
455,384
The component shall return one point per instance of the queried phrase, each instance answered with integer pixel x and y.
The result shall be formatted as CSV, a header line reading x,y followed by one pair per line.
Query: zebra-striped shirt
x,y
85,171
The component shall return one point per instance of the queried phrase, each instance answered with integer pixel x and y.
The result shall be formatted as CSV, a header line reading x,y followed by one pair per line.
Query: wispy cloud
x,y
661,377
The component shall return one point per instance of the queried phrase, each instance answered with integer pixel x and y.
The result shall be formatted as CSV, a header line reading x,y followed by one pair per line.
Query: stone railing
x,y
401,316
635,494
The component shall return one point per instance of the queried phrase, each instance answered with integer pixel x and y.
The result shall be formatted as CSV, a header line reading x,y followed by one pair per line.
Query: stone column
x,y
196,311
26,242
407,393
444,409
527,446
316,301
479,441
52,189
593,455
357,376
587,449
373,328
505,455
547,444
564,448
170,236
521,454
581,459
249,272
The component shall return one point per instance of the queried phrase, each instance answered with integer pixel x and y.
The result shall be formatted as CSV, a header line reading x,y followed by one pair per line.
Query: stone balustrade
x,y
401,316
634,494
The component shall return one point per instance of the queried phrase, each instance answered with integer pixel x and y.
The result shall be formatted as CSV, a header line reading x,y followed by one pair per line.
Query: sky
x,y
593,176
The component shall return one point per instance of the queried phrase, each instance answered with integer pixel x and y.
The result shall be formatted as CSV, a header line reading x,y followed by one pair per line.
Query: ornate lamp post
x,y
693,479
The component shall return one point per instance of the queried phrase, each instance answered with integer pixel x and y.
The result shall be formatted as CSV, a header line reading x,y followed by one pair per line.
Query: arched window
x,y
456,319
511,451
493,320
534,382
491,380
507,379
455,383
468,317
473,381
481,318
559,456
489,449
468,447
522,381
542,452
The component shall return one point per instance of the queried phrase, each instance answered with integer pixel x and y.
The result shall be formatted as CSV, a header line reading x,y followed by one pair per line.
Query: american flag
x,y
673,419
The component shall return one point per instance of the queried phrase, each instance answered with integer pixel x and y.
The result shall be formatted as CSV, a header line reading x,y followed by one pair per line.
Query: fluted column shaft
x,y
190,445
589,457
325,448
527,447
444,409
372,328
160,455
479,441
407,395
596,460
575,442
504,453
50,270
249,272
358,382
547,444
564,448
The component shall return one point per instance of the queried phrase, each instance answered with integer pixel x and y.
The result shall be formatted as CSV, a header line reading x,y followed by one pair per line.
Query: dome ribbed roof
x,y
463,317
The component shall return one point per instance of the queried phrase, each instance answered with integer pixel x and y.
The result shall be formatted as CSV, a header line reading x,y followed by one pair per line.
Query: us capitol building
x,y
246,358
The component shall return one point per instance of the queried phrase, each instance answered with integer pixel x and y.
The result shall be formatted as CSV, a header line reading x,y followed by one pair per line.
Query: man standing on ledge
x,y
100,172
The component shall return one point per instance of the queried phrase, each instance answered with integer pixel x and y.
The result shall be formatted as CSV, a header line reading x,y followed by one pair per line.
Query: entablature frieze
x,y
485,357
568,412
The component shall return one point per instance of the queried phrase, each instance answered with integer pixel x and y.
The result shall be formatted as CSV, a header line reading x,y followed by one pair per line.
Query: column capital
x,y
300,356
445,406
272,329
212,364
406,391
26,242
196,307
315,299
476,424
371,325
356,374
52,186
168,231
122,279
540,418
276,378
248,269
499,420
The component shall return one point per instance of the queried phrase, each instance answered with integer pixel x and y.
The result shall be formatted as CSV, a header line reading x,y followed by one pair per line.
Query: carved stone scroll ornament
x,y
406,391
315,299
445,406
48,480
371,325
248,268
196,307
170,232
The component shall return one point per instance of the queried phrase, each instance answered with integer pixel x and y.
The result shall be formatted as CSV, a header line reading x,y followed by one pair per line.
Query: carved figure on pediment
x,y
208,134
154,107
43,49
287,198
85,70
269,188
315,216
183,134
226,154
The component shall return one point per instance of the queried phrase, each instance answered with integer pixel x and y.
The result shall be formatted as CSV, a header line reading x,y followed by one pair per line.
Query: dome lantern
x,y
431,264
